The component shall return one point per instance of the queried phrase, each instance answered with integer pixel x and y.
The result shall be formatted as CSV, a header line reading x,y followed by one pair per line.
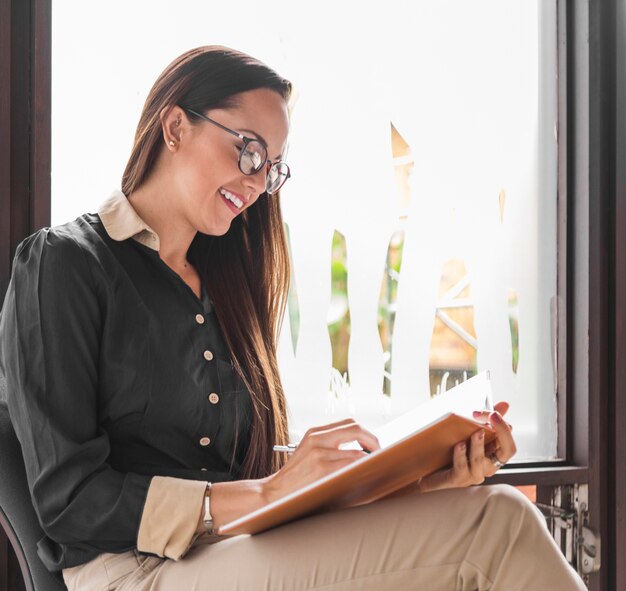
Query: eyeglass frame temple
x,y
231,131
246,140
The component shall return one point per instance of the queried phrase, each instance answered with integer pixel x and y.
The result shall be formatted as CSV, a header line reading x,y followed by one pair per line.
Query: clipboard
x,y
368,479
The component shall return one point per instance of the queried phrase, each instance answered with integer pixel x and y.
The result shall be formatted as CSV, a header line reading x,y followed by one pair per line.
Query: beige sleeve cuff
x,y
170,518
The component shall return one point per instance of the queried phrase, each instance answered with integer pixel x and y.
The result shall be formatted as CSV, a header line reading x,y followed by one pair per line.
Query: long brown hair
x,y
246,271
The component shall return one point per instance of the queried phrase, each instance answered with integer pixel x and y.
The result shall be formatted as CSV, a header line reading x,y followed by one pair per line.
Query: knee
x,y
507,502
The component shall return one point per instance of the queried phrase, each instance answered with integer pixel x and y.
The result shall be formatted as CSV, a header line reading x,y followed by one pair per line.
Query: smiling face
x,y
204,163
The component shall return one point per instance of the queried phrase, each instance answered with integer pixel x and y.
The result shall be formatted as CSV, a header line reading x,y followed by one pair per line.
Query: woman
x,y
139,346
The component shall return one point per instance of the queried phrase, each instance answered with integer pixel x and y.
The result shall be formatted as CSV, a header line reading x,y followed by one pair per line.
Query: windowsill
x,y
543,474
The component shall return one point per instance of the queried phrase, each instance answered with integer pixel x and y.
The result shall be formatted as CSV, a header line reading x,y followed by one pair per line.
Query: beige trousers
x,y
477,538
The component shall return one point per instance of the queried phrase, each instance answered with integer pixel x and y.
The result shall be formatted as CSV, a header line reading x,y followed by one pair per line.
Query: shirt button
x,y
199,318
213,398
208,355
203,469
205,441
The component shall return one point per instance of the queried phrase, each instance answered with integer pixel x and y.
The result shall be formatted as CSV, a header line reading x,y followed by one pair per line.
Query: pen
x,y
291,447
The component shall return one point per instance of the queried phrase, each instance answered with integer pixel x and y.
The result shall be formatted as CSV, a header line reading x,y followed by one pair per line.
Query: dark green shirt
x,y
116,372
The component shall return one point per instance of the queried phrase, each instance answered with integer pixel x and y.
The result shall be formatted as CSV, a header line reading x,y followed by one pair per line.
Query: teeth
x,y
238,202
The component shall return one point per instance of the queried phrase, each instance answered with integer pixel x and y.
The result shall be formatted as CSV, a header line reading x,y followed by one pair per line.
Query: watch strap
x,y
208,518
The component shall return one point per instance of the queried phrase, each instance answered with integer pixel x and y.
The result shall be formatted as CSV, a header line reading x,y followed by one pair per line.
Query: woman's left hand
x,y
473,463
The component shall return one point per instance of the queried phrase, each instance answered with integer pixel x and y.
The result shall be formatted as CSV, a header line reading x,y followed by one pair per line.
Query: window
x,y
427,251
591,142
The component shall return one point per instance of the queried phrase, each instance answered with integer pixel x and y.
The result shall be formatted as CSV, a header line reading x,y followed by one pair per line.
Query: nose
x,y
255,183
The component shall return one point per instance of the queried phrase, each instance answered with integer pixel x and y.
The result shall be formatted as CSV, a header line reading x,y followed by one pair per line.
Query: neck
x,y
156,204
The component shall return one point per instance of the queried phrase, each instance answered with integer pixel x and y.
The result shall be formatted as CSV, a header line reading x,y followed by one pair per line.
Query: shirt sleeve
x,y
50,329
171,516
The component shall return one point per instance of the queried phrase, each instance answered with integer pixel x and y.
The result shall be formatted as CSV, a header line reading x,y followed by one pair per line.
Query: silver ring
x,y
495,461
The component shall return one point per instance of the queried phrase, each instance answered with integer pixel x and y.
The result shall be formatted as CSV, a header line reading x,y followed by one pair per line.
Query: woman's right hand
x,y
317,455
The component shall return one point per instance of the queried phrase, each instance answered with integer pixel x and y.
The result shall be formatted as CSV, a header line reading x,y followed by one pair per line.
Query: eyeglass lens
x,y
276,177
253,157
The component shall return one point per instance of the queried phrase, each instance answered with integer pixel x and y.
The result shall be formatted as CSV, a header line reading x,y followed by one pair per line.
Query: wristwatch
x,y
208,518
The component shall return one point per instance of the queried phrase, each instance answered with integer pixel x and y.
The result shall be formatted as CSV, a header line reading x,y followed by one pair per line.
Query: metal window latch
x,y
587,541
561,519
568,520
589,551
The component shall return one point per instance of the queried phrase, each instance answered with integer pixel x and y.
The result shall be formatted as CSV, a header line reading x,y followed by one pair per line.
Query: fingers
x,y
477,457
460,464
348,456
483,415
349,432
455,477
506,443
468,465
329,426
336,456
502,407
334,434
472,465
493,447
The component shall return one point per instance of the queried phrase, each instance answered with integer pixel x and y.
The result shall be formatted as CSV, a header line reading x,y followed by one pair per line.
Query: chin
x,y
219,231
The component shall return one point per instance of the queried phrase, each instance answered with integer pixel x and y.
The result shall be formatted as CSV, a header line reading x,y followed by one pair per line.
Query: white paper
x,y
473,394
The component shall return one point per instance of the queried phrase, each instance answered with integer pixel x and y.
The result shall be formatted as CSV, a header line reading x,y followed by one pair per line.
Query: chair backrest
x,y
17,515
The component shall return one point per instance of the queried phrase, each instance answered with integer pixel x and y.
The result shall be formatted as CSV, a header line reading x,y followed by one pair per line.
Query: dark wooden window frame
x,y
592,237
25,76
592,275
618,373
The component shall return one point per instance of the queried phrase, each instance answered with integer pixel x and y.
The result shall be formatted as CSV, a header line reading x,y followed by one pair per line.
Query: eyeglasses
x,y
253,158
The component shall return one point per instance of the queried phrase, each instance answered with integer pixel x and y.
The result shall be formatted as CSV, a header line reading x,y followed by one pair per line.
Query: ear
x,y
172,126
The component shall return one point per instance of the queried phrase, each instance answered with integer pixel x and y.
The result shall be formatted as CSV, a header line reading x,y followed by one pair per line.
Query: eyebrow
x,y
260,137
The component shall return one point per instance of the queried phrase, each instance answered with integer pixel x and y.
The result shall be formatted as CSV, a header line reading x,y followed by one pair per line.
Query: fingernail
x,y
496,417
476,413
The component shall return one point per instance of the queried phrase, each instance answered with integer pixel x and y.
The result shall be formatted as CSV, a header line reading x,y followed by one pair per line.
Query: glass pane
x,y
428,251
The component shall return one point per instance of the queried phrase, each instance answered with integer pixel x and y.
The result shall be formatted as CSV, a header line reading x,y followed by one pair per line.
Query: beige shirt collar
x,y
121,221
